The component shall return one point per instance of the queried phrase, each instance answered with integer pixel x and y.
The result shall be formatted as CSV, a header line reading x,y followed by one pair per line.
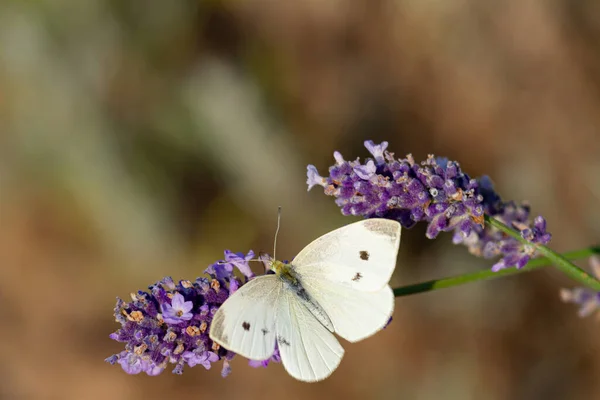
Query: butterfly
x,y
336,284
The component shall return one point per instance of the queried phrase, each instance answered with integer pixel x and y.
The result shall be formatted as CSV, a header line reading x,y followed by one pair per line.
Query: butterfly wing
x,y
347,272
355,314
361,255
245,323
309,352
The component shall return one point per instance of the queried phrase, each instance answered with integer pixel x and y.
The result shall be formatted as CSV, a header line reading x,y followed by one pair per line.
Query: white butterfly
x,y
338,283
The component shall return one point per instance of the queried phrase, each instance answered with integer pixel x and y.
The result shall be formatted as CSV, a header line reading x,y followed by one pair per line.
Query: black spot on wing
x,y
282,341
357,277
364,255
264,331
246,326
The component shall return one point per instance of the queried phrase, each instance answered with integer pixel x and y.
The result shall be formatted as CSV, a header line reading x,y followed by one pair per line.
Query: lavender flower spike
x,y
169,324
437,192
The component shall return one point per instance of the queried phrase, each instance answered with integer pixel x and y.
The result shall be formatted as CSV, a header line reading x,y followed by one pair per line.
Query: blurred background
x,y
140,139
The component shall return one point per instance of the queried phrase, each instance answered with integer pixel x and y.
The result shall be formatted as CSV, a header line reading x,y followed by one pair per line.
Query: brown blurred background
x,y
142,138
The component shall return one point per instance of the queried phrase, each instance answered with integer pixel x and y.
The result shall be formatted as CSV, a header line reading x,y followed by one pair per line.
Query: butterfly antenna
x,y
276,232
274,241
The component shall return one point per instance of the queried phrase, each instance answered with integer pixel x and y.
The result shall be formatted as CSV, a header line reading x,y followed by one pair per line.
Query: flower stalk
x,y
477,276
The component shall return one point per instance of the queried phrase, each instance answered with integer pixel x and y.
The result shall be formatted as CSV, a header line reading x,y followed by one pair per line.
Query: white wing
x,y
309,352
355,314
245,323
361,255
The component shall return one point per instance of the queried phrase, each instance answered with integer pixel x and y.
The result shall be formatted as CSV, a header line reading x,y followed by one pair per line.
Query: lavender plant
x,y
438,192
169,324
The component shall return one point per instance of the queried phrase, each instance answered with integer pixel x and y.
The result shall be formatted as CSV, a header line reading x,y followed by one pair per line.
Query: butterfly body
x,y
293,283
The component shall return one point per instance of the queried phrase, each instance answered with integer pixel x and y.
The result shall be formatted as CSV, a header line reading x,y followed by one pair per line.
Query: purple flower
x,y
436,191
240,261
223,269
377,150
204,358
313,177
169,323
178,311
366,171
338,159
587,300
276,357
226,369
131,363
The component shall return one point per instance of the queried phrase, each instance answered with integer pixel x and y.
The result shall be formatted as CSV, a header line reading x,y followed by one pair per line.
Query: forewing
x,y
309,352
355,314
361,255
245,323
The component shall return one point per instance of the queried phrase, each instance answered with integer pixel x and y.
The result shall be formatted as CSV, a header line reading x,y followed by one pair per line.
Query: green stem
x,y
488,274
559,261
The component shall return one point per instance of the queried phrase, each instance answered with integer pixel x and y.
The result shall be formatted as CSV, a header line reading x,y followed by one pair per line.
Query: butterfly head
x,y
283,270
278,267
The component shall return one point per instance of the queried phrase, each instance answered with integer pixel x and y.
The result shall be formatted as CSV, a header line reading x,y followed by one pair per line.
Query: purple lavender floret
x,y
170,323
178,311
587,299
435,191
276,357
